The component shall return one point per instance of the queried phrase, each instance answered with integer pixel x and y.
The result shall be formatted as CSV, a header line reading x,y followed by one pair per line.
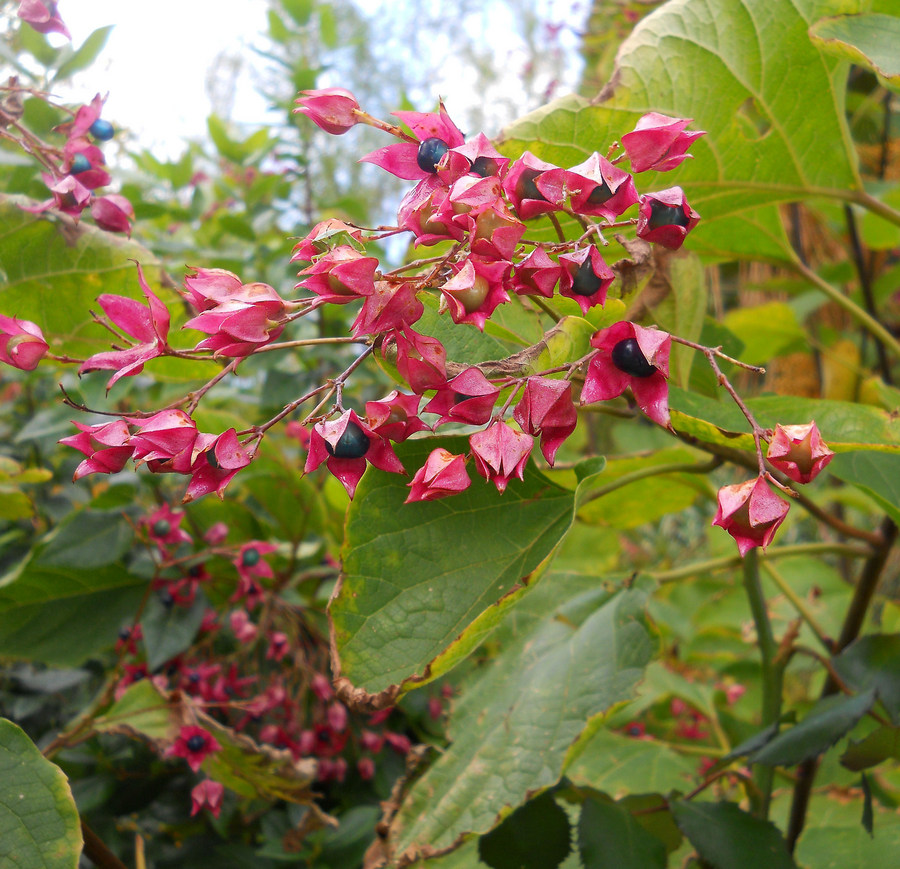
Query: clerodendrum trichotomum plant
x,y
522,381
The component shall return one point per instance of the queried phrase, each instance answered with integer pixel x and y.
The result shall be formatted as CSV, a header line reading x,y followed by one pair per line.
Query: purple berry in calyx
x,y
80,164
666,215
586,282
161,528
527,188
600,194
353,443
484,166
250,558
102,130
196,743
627,357
430,153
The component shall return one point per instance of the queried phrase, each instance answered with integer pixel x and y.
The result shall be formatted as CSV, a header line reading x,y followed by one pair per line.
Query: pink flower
x,y
214,461
751,513
333,110
481,158
396,416
365,766
585,277
207,795
421,360
249,318
22,343
194,744
250,562
427,214
442,474
345,445
112,212
342,275
163,436
163,528
43,17
658,142
468,398
278,646
630,356
546,409
207,288
594,187
70,196
524,188
666,218
85,160
390,306
474,292
435,133
245,631
500,452
84,119
148,325
798,451
107,447
536,275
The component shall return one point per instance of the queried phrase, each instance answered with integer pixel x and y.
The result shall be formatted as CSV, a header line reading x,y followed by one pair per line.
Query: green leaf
x,y
39,824
87,539
63,615
54,275
328,26
766,331
424,583
299,10
535,836
621,765
682,312
830,719
728,838
85,55
845,426
876,474
140,712
571,650
875,748
868,817
867,40
736,67
610,838
848,848
168,631
874,662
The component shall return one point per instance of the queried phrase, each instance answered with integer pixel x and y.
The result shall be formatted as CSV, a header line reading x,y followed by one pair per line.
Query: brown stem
x,y
853,622
97,852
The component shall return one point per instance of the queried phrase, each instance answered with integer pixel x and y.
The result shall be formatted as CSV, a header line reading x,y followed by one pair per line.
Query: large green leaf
x,y
737,67
876,747
849,848
868,40
39,825
874,473
621,765
874,662
424,583
830,719
69,599
845,426
728,838
53,275
610,838
572,650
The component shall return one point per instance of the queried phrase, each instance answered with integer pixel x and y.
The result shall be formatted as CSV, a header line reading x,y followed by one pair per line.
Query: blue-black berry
x,y
196,743
430,153
102,130
666,215
250,557
80,164
586,282
627,357
353,443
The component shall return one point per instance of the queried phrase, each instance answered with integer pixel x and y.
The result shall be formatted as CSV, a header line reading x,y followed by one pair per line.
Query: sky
x,y
155,64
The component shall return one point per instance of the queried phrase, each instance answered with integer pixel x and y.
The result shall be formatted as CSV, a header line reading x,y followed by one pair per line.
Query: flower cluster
x,y
256,666
750,511
471,196
77,170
